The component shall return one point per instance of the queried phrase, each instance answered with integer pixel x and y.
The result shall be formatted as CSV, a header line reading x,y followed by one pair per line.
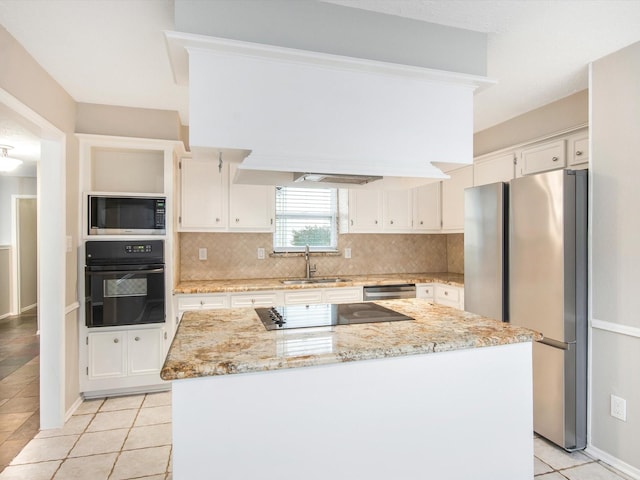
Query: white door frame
x,y
51,263
16,307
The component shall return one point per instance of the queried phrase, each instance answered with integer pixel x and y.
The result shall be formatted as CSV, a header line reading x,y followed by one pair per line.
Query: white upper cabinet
x,y
211,202
375,211
543,157
251,207
453,198
496,168
427,213
397,206
578,148
203,194
365,211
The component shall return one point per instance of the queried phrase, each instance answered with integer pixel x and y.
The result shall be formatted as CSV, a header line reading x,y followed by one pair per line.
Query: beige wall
x,y
128,122
455,253
233,255
563,114
27,251
23,78
615,116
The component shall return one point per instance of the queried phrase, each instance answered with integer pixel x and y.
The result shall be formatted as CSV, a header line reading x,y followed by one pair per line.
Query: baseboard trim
x,y
72,408
615,328
28,307
5,315
615,462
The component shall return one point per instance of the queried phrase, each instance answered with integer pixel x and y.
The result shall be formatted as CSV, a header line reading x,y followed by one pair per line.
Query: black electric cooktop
x,y
326,315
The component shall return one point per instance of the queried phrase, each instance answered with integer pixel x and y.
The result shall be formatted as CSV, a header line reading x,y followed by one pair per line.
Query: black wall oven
x,y
124,283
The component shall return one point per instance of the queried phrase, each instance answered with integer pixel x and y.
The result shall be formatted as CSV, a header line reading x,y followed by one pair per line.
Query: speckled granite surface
x,y
222,342
253,284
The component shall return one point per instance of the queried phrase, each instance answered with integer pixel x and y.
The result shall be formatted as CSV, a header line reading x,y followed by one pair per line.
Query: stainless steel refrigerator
x,y
544,286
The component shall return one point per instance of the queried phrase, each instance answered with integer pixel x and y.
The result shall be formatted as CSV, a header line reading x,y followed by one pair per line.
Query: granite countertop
x,y
255,284
229,341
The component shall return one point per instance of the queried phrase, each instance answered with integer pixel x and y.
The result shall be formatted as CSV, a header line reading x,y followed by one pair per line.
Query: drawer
x,y
196,302
255,300
541,158
446,293
342,295
303,297
425,290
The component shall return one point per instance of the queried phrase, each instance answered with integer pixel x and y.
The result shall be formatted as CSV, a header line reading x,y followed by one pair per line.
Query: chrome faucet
x,y
309,270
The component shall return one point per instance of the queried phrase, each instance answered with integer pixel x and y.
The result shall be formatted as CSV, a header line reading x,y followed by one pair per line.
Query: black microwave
x,y
114,215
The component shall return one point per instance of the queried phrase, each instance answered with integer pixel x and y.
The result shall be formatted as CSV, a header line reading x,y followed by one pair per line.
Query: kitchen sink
x,y
305,281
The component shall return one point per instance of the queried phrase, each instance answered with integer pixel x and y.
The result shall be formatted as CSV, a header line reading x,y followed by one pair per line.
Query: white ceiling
x,y
113,52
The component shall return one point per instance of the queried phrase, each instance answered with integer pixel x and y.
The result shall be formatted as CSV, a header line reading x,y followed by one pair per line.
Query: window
x,y
305,216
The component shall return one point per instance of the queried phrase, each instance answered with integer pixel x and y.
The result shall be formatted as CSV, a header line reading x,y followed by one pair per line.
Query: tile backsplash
x,y
234,256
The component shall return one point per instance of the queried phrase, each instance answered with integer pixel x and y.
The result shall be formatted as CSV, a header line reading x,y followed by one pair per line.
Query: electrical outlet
x,y
202,253
619,408
261,254
347,252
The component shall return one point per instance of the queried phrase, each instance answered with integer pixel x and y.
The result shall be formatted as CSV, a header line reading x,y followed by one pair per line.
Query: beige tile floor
x,y
117,438
124,438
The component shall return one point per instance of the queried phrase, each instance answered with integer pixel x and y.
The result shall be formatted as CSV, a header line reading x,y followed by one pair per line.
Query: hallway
x,y
19,384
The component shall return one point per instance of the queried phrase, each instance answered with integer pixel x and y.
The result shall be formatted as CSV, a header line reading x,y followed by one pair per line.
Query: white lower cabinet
x,y
123,359
448,295
256,299
202,302
425,291
342,295
302,297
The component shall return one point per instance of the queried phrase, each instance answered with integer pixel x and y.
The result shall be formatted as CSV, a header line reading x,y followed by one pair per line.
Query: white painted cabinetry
x,y
302,297
495,168
375,211
427,213
256,299
453,198
543,157
425,291
397,206
117,358
203,195
342,295
251,207
578,149
210,201
449,296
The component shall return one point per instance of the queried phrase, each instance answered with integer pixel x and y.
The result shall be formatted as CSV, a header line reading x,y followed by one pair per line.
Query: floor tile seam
x,y
119,453
559,470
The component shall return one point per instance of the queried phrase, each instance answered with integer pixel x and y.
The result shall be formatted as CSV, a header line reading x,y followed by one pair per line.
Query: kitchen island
x,y
447,395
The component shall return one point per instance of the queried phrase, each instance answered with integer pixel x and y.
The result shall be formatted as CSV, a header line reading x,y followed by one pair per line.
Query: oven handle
x,y
123,272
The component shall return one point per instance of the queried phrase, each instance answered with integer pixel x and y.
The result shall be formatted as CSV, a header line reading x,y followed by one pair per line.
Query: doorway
x,y
25,261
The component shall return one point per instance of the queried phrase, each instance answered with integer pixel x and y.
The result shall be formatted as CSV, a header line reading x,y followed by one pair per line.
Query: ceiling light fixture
x,y
7,163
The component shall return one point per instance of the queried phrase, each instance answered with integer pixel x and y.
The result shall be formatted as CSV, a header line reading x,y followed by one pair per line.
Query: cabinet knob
x,y
578,153
137,339
446,293
116,340
391,222
237,220
217,220
555,159
201,302
421,222
376,222
352,223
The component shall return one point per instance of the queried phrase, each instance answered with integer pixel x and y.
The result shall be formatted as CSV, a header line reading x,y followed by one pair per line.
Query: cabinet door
x,y
579,149
144,351
427,213
500,168
397,210
447,295
107,355
365,211
342,295
251,207
203,190
453,198
544,157
303,297
425,291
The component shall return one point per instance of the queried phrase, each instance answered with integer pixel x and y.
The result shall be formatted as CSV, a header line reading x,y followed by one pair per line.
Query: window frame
x,y
333,222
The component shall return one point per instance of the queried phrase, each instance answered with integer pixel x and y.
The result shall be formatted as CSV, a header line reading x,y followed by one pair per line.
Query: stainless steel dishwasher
x,y
388,292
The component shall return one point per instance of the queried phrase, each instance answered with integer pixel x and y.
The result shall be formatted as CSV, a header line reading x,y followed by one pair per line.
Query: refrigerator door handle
x,y
555,343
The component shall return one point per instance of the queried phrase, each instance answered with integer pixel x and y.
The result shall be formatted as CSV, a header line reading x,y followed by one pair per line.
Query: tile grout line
x,y
119,452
